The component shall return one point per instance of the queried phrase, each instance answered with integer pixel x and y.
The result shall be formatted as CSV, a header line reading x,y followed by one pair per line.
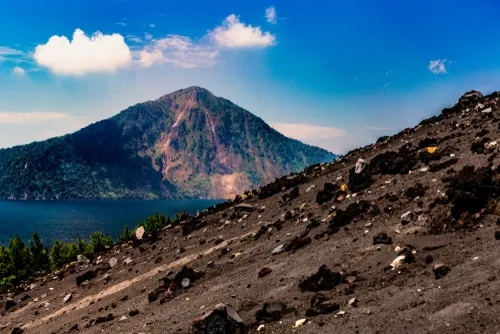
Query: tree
x,y
99,241
39,253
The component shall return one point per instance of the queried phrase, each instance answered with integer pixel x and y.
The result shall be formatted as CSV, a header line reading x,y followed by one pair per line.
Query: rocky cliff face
x,y
187,144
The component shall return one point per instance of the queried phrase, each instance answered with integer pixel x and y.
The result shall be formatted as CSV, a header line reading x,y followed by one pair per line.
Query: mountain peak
x,y
189,92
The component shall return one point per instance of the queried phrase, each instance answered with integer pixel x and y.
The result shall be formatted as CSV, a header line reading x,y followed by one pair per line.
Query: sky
x,y
337,74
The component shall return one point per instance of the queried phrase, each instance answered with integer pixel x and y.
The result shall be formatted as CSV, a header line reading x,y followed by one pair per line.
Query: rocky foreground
x,y
401,236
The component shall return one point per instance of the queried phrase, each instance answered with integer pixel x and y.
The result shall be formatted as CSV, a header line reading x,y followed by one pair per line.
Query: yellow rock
x,y
299,323
431,149
237,254
344,187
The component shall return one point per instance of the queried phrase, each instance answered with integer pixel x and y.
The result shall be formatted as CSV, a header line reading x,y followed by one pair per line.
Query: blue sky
x,y
337,74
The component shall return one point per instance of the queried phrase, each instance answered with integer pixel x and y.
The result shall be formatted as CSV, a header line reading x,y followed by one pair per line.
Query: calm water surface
x,y
66,220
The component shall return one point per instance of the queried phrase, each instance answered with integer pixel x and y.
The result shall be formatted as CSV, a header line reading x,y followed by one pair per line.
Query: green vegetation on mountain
x,y
188,144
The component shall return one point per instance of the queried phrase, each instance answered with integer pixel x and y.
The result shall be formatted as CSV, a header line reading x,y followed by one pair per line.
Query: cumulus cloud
x,y
97,53
271,15
302,131
152,25
235,34
438,66
18,71
180,51
30,117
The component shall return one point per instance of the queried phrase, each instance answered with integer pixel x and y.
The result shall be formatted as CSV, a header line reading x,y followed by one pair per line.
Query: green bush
x,y
155,223
63,253
125,235
99,241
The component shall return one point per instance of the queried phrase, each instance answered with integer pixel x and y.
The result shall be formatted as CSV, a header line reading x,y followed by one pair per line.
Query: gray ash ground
x,y
411,245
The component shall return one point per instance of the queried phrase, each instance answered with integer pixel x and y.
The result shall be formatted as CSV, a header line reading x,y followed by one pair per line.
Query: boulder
x,y
223,319
324,279
139,232
112,262
81,259
270,312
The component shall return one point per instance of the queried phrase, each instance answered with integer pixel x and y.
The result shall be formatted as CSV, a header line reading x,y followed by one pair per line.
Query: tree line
x,y
21,261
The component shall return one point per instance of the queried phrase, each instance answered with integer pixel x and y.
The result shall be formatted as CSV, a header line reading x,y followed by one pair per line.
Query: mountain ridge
x,y
186,144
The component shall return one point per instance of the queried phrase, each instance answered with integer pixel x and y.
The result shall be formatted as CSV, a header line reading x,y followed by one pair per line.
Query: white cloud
x,y
97,53
148,36
124,24
6,51
179,51
18,71
152,25
303,131
438,66
134,39
271,15
30,117
235,34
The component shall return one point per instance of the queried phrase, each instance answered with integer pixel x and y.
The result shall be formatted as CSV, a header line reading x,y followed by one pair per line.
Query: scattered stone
x,y
80,259
87,276
329,191
139,232
487,110
497,235
440,270
33,286
264,272
112,262
128,261
68,297
323,279
406,218
133,312
222,319
185,283
321,305
17,330
353,302
270,312
360,166
382,238
278,250
107,318
299,323
297,243
9,303
123,318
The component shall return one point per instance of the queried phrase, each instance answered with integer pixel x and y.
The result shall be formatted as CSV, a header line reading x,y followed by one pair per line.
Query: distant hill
x,y
187,144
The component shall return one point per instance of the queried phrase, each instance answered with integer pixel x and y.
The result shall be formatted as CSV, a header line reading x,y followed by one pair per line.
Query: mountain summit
x,y
187,144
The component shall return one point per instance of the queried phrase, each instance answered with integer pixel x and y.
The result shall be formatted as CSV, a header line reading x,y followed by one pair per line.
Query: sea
x,y
67,220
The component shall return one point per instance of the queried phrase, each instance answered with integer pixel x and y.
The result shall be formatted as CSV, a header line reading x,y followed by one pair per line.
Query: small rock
x,y
487,110
185,283
112,262
222,316
353,302
278,250
440,270
9,303
33,286
261,327
128,261
123,318
270,312
133,312
497,235
139,232
360,166
382,238
264,272
80,259
299,323
406,218
67,298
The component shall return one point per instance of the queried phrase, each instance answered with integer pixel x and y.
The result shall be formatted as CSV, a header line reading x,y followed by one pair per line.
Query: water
x,y
66,220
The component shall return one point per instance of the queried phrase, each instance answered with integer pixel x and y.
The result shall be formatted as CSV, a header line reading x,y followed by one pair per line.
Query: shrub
x,y
99,241
63,253
125,235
